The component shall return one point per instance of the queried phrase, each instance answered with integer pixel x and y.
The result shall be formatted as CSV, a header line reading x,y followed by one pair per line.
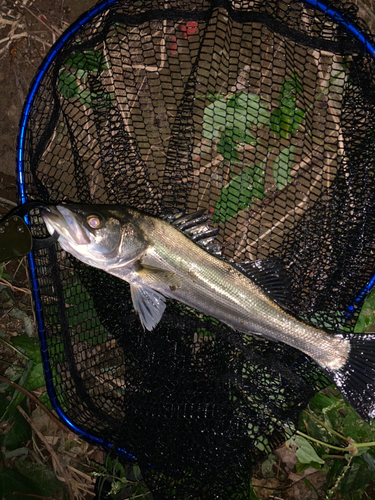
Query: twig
x,y
80,473
13,287
13,37
50,450
351,448
8,202
323,424
11,346
35,400
52,30
18,267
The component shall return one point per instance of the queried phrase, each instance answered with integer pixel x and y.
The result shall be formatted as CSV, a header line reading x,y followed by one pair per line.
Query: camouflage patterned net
x,y
260,111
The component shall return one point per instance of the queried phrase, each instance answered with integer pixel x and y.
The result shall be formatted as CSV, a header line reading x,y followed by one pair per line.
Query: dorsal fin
x,y
270,276
197,227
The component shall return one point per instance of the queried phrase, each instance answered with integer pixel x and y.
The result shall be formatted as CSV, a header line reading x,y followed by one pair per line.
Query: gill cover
x,y
101,236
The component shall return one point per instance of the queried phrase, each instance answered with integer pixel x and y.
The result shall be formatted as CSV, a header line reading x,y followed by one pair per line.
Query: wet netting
x,y
260,112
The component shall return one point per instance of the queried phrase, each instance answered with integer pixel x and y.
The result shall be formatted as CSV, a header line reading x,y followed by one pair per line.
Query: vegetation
x,y
332,450
233,121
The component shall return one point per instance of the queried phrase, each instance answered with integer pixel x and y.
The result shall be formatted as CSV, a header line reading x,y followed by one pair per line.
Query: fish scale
x,y
216,288
158,261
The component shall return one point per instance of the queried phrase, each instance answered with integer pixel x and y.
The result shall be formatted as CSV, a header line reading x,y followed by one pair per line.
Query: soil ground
x,y
28,29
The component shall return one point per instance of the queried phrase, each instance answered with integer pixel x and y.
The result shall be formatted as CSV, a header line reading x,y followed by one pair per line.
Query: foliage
x,y
333,439
23,479
367,314
115,479
28,480
234,122
74,77
343,442
20,479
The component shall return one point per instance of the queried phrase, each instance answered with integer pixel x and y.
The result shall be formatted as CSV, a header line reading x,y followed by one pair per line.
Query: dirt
x,y
28,28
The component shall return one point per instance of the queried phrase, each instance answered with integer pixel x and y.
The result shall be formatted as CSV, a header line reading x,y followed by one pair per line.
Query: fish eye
x,y
94,221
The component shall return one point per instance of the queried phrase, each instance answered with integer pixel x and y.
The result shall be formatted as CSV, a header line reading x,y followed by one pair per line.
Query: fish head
x,y
102,236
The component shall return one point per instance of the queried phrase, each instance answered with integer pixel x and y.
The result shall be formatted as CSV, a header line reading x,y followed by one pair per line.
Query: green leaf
x,y
363,451
300,468
357,478
226,146
291,87
17,486
321,401
18,433
368,459
214,119
44,398
253,108
334,471
285,122
36,377
137,472
68,85
282,167
19,396
305,452
119,470
235,113
97,100
30,345
76,294
240,192
367,315
90,60
212,96
4,403
253,495
41,475
287,117
267,466
314,430
316,465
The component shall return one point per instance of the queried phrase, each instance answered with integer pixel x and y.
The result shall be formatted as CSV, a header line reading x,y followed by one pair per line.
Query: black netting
x,y
263,113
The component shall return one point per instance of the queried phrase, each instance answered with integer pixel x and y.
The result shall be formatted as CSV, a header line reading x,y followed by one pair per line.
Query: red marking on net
x,y
189,28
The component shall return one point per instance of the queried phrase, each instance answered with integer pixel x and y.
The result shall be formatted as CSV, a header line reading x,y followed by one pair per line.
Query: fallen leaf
x,y
52,439
287,455
264,487
302,491
43,423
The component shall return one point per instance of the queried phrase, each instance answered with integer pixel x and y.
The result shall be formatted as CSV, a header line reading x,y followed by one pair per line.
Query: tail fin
x,y
356,379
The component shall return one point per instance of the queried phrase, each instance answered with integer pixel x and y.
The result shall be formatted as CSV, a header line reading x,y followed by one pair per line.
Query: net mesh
x,y
263,114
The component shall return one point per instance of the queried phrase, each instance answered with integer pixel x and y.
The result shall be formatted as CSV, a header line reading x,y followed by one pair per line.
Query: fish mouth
x,y
66,223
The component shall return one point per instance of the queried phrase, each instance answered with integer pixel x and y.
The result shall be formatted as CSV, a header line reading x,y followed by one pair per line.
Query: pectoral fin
x,y
149,304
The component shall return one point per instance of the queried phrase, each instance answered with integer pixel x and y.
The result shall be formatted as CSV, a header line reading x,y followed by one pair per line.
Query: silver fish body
x,y
178,268
160,261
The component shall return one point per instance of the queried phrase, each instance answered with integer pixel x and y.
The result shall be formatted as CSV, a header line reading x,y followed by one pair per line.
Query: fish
x,y
160,259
